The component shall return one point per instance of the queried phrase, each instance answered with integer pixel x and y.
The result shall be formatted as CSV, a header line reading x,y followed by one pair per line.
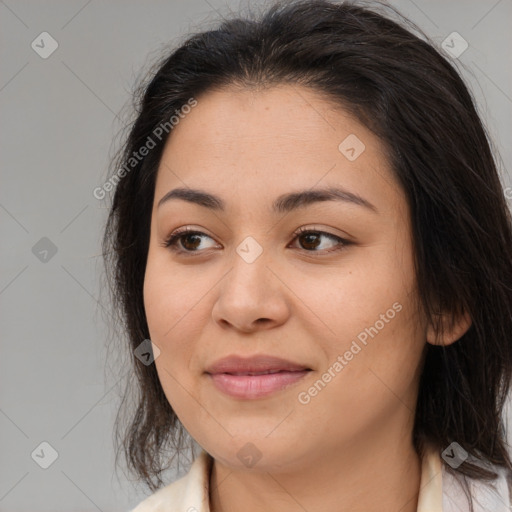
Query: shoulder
x,y
189,493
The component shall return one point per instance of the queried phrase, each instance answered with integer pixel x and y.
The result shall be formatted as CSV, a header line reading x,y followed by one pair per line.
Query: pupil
x,y
194,246
309,237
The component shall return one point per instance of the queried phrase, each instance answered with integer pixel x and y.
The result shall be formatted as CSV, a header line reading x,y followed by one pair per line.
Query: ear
x,y
448,330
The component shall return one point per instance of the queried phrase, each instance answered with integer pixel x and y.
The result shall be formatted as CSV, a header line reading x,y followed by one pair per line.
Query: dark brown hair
x,y
403,89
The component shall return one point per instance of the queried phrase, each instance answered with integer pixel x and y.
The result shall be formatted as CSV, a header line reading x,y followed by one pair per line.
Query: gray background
x,y
59,118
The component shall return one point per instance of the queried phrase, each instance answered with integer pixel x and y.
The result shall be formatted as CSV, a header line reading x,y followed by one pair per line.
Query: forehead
x,y
284,117
278,139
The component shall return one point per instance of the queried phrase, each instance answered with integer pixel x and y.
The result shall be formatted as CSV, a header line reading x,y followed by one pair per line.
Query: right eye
x,y
185,240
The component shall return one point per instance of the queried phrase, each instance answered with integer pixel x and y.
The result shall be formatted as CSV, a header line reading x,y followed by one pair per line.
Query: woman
x,y
310,228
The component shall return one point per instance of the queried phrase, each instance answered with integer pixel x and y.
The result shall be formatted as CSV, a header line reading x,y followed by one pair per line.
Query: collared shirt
x,y
439,490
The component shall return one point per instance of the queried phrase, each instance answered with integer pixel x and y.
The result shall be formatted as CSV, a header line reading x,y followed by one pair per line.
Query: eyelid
x,y
317,229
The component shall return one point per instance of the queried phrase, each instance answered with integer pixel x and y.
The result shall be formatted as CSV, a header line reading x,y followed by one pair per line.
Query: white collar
x,y
440,491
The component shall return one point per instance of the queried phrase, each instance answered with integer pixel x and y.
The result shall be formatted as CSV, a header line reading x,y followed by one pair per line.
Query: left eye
x,y
188,240
311,240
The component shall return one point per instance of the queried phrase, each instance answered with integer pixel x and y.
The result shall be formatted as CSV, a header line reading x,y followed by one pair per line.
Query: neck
x,y
371,474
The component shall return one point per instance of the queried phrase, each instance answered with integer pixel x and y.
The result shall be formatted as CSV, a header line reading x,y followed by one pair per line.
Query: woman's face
x,y
342,314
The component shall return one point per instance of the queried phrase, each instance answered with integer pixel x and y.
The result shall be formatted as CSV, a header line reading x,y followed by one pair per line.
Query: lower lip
x,y
255,386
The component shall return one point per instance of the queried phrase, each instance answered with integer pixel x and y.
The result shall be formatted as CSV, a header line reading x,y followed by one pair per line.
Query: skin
x,y
297,301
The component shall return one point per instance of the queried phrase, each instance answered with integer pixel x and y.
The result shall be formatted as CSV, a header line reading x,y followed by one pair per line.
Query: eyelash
x,y
172,241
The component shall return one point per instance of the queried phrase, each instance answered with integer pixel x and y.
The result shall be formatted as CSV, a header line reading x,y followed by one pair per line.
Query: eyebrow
x,y
283,204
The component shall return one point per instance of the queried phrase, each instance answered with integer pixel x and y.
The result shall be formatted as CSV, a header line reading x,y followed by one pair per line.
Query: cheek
x,y
169,326
378,378
177,306
167,300
372,311
368,289
385,369
168,313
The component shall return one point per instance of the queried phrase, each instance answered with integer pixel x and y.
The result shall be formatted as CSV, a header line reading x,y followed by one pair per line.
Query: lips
x,y
261,364
254,377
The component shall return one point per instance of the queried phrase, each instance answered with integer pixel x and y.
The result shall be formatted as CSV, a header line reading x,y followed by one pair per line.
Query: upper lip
x,y
258,363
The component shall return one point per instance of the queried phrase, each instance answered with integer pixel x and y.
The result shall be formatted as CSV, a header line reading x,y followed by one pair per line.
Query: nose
x,y
251,297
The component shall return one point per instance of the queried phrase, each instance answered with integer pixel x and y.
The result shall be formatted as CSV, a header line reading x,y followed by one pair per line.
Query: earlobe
x,y
448,332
